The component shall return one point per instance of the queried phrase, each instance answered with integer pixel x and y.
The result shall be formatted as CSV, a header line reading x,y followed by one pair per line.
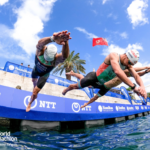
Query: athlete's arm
x,y
139,81
91,101
60,38
64,54
140,68
118,71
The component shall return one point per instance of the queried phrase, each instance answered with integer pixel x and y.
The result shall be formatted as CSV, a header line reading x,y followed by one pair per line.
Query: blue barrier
x,y
25,71
52,108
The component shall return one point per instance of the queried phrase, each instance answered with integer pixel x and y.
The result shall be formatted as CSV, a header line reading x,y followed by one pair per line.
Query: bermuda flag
x,y
99,41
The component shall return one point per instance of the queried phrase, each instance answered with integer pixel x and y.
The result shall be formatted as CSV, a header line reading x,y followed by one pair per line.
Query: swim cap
x,y
50,52
133,56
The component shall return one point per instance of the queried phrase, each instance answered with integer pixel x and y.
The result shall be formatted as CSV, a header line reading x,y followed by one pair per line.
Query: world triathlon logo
x,y
27,100
75,107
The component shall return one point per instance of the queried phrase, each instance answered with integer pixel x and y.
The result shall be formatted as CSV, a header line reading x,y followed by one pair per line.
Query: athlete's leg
x,y
88,80
40,83
77,75
34,76
103,90
71,87
34,80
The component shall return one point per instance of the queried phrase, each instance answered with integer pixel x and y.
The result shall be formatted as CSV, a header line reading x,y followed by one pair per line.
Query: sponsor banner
x,y
105,108
18,69
73,106
19,99
6,96
44,103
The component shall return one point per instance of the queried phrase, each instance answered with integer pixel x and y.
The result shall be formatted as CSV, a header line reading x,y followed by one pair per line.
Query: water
x,y
128,135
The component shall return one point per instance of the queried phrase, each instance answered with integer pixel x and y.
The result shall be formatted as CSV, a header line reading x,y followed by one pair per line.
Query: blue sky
x,y
124,23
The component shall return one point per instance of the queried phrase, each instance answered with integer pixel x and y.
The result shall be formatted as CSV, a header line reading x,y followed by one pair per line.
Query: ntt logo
x,y
27,100
75,107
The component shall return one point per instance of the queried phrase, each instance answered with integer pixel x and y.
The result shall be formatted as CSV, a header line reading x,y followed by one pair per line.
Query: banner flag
x,y
126,94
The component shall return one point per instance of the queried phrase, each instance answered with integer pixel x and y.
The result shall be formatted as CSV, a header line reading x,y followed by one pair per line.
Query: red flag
x,y
99,41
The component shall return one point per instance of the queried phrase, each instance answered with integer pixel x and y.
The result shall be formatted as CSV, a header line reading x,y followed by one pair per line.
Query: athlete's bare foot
x,y
28,107
85,104
70,73
64,91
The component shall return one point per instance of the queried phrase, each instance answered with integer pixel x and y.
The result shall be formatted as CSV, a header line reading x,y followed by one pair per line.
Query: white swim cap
x,y
50,52
133,56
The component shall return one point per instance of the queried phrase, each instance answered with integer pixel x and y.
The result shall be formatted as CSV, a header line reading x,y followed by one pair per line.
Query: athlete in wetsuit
x,y
112,66
46,59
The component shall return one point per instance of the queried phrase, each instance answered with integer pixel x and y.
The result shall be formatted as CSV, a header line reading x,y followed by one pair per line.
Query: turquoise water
x,y
128,135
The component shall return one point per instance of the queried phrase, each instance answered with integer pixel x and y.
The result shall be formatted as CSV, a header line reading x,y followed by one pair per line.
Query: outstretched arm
x,y
91,101
140,68
139,81
60,38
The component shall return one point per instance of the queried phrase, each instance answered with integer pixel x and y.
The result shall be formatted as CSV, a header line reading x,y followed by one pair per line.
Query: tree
x,y
148,94
73,62
129,89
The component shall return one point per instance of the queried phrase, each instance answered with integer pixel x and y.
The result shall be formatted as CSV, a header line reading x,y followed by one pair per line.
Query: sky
x,y
124,23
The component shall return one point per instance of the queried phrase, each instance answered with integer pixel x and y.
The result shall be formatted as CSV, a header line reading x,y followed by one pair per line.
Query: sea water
x,y
128,135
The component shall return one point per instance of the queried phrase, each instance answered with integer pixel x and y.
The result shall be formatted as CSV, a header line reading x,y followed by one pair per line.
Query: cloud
x,y
95,12
112,16
104,1
31,17
89,35
2,2
136,12
9,47
91,2
124,35
119,50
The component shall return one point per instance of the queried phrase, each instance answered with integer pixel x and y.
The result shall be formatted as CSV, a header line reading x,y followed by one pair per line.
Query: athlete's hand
x,y
61,37
141,91
85,104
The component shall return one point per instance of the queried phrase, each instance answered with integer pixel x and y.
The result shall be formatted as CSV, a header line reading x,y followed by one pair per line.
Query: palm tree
x,y
73,62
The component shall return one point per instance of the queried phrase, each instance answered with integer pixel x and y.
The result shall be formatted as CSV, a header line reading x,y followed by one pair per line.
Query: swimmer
x,y
115,81
112,67
46,59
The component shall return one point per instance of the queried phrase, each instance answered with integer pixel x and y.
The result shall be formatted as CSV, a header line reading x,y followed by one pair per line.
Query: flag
x,y
99,41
